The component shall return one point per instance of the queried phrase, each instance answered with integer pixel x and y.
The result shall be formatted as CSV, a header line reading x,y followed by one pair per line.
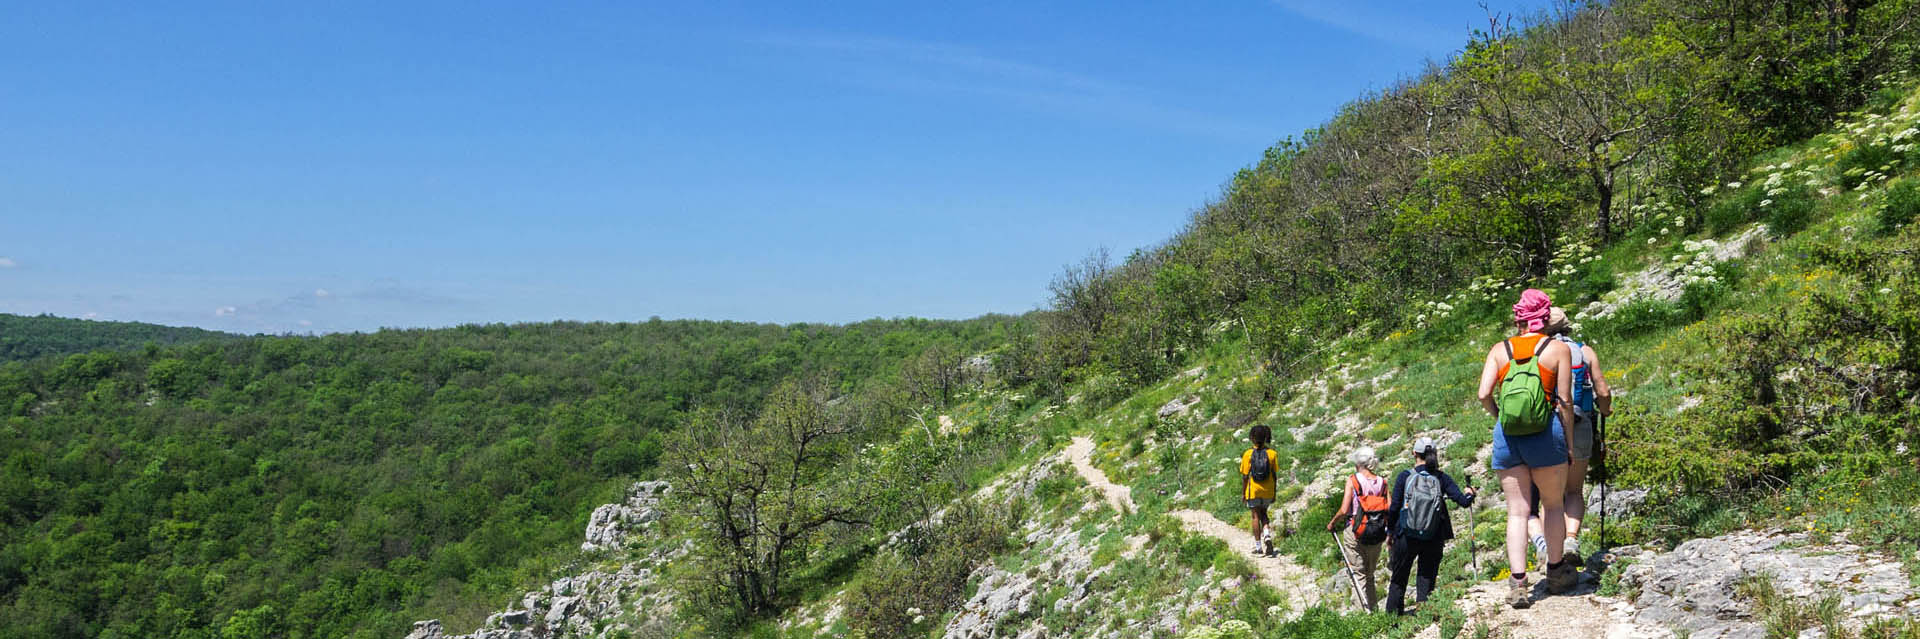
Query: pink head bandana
x,y
1532,310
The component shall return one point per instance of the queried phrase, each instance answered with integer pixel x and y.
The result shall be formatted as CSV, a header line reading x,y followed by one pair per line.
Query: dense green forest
x,y
27,337
338,484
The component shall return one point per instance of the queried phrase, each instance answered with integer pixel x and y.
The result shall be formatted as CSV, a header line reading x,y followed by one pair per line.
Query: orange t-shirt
x,y
1523,348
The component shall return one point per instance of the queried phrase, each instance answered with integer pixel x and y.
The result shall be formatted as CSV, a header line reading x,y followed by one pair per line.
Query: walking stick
x,y
1359,599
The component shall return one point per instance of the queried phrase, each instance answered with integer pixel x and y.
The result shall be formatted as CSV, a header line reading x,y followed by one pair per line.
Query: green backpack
x,y
1525,406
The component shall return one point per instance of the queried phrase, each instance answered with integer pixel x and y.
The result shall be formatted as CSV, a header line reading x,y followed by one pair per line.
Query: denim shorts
x,y
1539,450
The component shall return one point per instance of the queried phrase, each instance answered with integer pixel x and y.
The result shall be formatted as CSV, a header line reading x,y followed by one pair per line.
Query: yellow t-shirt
x,y
1259,489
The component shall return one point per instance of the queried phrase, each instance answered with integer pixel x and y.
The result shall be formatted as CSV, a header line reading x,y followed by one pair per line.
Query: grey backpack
x,y
1420,514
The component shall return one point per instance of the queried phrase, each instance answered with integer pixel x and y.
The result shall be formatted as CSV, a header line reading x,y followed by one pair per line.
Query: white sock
x,y
1571,547
1540,546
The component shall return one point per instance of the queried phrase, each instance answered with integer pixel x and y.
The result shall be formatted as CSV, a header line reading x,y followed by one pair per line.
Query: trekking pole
x,y
1606,475
1352,579
1473,544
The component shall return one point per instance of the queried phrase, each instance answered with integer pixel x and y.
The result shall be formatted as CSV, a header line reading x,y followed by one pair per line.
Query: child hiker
x,y
1257,468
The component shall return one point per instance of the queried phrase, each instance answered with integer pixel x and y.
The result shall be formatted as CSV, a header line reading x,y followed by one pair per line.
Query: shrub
x,y
1901,206
1638,317
1788,211
1598,280
1734,210
1857,163
927,575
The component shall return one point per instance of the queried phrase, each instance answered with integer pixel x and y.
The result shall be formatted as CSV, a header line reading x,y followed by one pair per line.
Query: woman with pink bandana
x,y
1525,462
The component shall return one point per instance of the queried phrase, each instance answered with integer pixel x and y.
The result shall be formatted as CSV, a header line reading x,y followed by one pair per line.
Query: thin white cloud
x,y
932,67
306,322
225,311
7,262
321,292
1386,25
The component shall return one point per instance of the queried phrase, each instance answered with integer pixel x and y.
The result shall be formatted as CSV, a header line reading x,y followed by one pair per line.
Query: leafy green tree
x,y
756,496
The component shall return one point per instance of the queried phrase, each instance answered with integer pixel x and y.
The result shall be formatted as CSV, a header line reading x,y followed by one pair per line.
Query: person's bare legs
x,y
1259,524
1576,501
1514,483
1552,481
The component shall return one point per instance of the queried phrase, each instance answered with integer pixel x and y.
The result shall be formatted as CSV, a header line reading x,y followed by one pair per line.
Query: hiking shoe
x,y
1519,595
1562,578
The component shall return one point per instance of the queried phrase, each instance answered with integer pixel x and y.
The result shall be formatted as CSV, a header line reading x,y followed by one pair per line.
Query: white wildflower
x,y
1651,240
1886,291
1733,185
1765,202
1709,190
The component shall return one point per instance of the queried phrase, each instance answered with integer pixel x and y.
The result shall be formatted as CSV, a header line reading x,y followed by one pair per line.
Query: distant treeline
x,y
27,337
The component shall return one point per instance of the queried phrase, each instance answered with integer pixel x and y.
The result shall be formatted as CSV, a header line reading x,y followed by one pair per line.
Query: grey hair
x,y
1364,456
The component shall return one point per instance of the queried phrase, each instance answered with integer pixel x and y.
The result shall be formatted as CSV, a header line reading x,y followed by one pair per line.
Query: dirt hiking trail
x,y
1282,572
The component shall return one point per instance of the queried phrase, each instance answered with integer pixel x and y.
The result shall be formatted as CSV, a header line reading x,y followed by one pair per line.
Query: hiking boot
x,y
1519,595
1562,577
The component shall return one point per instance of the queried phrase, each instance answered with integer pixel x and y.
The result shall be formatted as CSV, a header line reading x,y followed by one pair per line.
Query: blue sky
x,y
314,167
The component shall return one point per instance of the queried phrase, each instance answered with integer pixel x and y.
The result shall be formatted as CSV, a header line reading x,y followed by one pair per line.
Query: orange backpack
x,y
1370,520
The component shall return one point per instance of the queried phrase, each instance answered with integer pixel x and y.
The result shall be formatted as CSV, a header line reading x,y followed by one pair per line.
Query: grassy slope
x,y
1382,392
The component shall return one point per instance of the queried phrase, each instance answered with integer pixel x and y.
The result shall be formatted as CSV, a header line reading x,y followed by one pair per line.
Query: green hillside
x,y
1822,442
27,337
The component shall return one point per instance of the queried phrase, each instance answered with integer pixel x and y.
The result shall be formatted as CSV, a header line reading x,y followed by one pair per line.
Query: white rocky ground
x,y
1693,591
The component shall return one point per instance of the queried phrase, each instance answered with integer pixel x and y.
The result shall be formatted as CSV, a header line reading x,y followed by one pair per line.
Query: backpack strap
x,y
1579,359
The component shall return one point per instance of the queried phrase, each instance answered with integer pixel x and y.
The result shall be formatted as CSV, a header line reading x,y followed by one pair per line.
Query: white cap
x,y
1423,445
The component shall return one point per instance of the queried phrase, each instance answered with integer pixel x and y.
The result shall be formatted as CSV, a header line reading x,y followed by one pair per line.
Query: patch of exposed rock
x,y
1667,281
1695,586
1178,406
1004,596
1694,590
611,524
594,603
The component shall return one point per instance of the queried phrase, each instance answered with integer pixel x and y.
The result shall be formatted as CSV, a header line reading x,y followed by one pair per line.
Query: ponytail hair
x,y
1431,457
1261,435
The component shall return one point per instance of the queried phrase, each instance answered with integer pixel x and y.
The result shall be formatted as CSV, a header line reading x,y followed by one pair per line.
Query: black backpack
x,y
1260,468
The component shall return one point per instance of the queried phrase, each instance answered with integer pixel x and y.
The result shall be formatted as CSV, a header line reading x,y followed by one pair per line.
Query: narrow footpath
x,y
1293,580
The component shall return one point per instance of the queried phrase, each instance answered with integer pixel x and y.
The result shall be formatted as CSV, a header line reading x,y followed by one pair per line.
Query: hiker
x,y
1365,505
1591,397
1420,523
1525,384
1257,468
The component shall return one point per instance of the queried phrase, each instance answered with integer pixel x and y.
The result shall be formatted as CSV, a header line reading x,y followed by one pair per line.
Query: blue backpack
x,y
1582,377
